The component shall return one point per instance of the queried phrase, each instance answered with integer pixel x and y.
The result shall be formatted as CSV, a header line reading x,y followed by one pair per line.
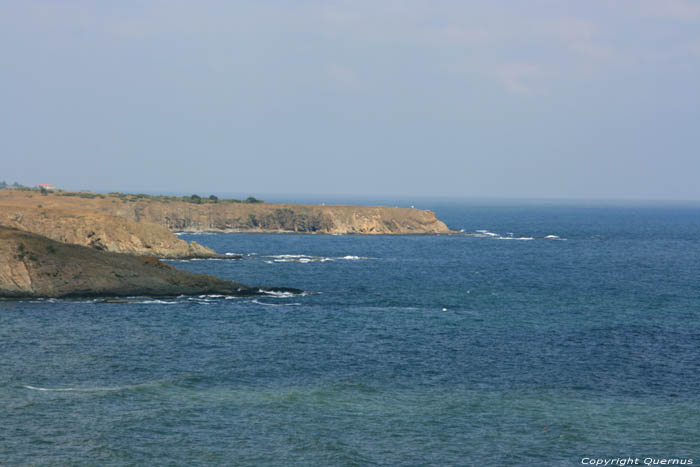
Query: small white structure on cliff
x,y
46,187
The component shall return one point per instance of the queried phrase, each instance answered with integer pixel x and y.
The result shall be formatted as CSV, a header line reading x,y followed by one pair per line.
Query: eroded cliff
x,y
99,230
245,217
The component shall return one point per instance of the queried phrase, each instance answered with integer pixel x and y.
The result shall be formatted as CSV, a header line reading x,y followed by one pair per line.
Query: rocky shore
x,y
86,244
32,266
225,216
269,217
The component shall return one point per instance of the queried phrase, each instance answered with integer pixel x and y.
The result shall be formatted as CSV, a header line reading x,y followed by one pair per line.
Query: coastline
x,y
32,266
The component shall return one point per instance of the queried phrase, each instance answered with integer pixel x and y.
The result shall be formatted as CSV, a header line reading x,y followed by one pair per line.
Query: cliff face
x,y
244,217
33,266
143,226
268,217
99,230
103,232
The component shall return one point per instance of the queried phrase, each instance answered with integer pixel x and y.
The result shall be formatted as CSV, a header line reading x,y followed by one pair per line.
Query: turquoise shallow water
x,y
548,350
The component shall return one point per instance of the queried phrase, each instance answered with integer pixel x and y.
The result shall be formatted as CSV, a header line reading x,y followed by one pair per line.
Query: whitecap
x,y
284,294
155,302
486,233
553,237
273,293
311,259
98,389
275,304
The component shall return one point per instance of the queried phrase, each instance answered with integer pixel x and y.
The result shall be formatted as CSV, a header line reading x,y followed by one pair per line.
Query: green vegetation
x,y
127,197
22,251
288,220
15,186
82,194
194,198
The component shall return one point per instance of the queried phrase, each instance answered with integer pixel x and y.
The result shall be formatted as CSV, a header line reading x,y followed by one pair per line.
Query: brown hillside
x,y
33,266
240,217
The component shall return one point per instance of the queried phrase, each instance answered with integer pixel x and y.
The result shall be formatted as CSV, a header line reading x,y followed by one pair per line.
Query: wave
x,y
188,260
97,389
257,302
312,259
276,294
483,233
128,387
155,302
202,299
297,258
195,233
553,237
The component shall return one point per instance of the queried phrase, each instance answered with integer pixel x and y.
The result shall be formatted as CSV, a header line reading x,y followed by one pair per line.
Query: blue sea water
x,y
501,346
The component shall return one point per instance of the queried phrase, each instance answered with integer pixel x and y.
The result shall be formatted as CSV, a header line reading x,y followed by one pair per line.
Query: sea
x,y
544,333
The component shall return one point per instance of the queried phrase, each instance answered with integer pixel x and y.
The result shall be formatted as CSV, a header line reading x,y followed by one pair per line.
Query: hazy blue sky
x,y
529,98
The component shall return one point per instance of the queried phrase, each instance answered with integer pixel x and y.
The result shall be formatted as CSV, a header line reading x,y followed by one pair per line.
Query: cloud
x,y
343,77
580,36
521,78
677,10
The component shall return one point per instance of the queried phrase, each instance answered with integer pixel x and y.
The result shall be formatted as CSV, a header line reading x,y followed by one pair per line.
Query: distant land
x,y
143,224
116,238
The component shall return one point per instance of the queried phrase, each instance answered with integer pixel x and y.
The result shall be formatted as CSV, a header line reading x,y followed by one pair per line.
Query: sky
x,y
516,99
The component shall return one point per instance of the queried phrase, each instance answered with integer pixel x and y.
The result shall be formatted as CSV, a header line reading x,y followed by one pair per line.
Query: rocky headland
x,y
144,225
224,216
88,244
269,217
102,232
32,266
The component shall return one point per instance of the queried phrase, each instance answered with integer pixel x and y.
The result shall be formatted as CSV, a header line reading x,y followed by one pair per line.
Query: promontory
x,y
63,244
32,266
144,225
